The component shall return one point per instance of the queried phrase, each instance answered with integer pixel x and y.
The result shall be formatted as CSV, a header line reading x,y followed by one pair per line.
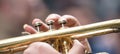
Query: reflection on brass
x,y
60,39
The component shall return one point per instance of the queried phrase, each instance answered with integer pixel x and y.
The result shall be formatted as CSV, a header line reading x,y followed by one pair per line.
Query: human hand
x,y
44,48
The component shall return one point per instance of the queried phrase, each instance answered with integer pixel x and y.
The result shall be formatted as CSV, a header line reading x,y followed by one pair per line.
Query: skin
x,y
44,48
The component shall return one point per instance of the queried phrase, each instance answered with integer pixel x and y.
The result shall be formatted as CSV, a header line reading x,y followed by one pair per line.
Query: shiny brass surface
x,y
20,43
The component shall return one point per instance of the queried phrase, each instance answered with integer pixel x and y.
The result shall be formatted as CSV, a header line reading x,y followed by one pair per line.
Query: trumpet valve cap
x,y
50,22
62,21
37,24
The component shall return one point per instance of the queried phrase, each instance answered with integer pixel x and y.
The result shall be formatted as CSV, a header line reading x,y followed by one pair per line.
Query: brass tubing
x,y
95,33
85,31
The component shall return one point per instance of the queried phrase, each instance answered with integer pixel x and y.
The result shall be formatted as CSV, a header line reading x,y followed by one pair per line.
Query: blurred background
x,y
15,13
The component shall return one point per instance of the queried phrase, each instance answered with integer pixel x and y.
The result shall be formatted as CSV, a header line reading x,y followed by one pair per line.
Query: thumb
x,y
40,48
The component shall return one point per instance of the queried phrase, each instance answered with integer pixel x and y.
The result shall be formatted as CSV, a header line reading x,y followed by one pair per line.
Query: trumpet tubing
x,y
64,36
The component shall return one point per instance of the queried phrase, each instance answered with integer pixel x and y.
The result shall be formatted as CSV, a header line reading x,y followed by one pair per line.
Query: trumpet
x,y
63,36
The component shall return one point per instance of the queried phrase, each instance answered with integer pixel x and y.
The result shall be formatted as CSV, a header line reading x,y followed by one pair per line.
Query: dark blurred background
x,y
15,13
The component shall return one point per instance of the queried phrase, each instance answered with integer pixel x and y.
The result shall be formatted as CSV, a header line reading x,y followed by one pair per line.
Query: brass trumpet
x,y
16,44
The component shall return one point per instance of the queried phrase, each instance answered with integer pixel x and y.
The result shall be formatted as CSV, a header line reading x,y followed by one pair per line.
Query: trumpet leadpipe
x,y
85,31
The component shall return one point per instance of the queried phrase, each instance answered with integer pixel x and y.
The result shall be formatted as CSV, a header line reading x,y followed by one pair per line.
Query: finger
x,y
77,48
40,48
29,29
85,42
55,18
43,27
71,20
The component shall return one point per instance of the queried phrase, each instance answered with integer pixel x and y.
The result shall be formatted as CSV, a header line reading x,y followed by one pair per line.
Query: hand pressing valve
x,y
44,48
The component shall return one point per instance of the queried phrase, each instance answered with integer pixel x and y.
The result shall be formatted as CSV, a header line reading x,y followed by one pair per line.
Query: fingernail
x,y
25,25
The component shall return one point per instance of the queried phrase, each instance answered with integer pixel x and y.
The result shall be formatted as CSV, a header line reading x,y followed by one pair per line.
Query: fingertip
x,y
71,20
43,26
25,25
29,29
54,17
36,20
